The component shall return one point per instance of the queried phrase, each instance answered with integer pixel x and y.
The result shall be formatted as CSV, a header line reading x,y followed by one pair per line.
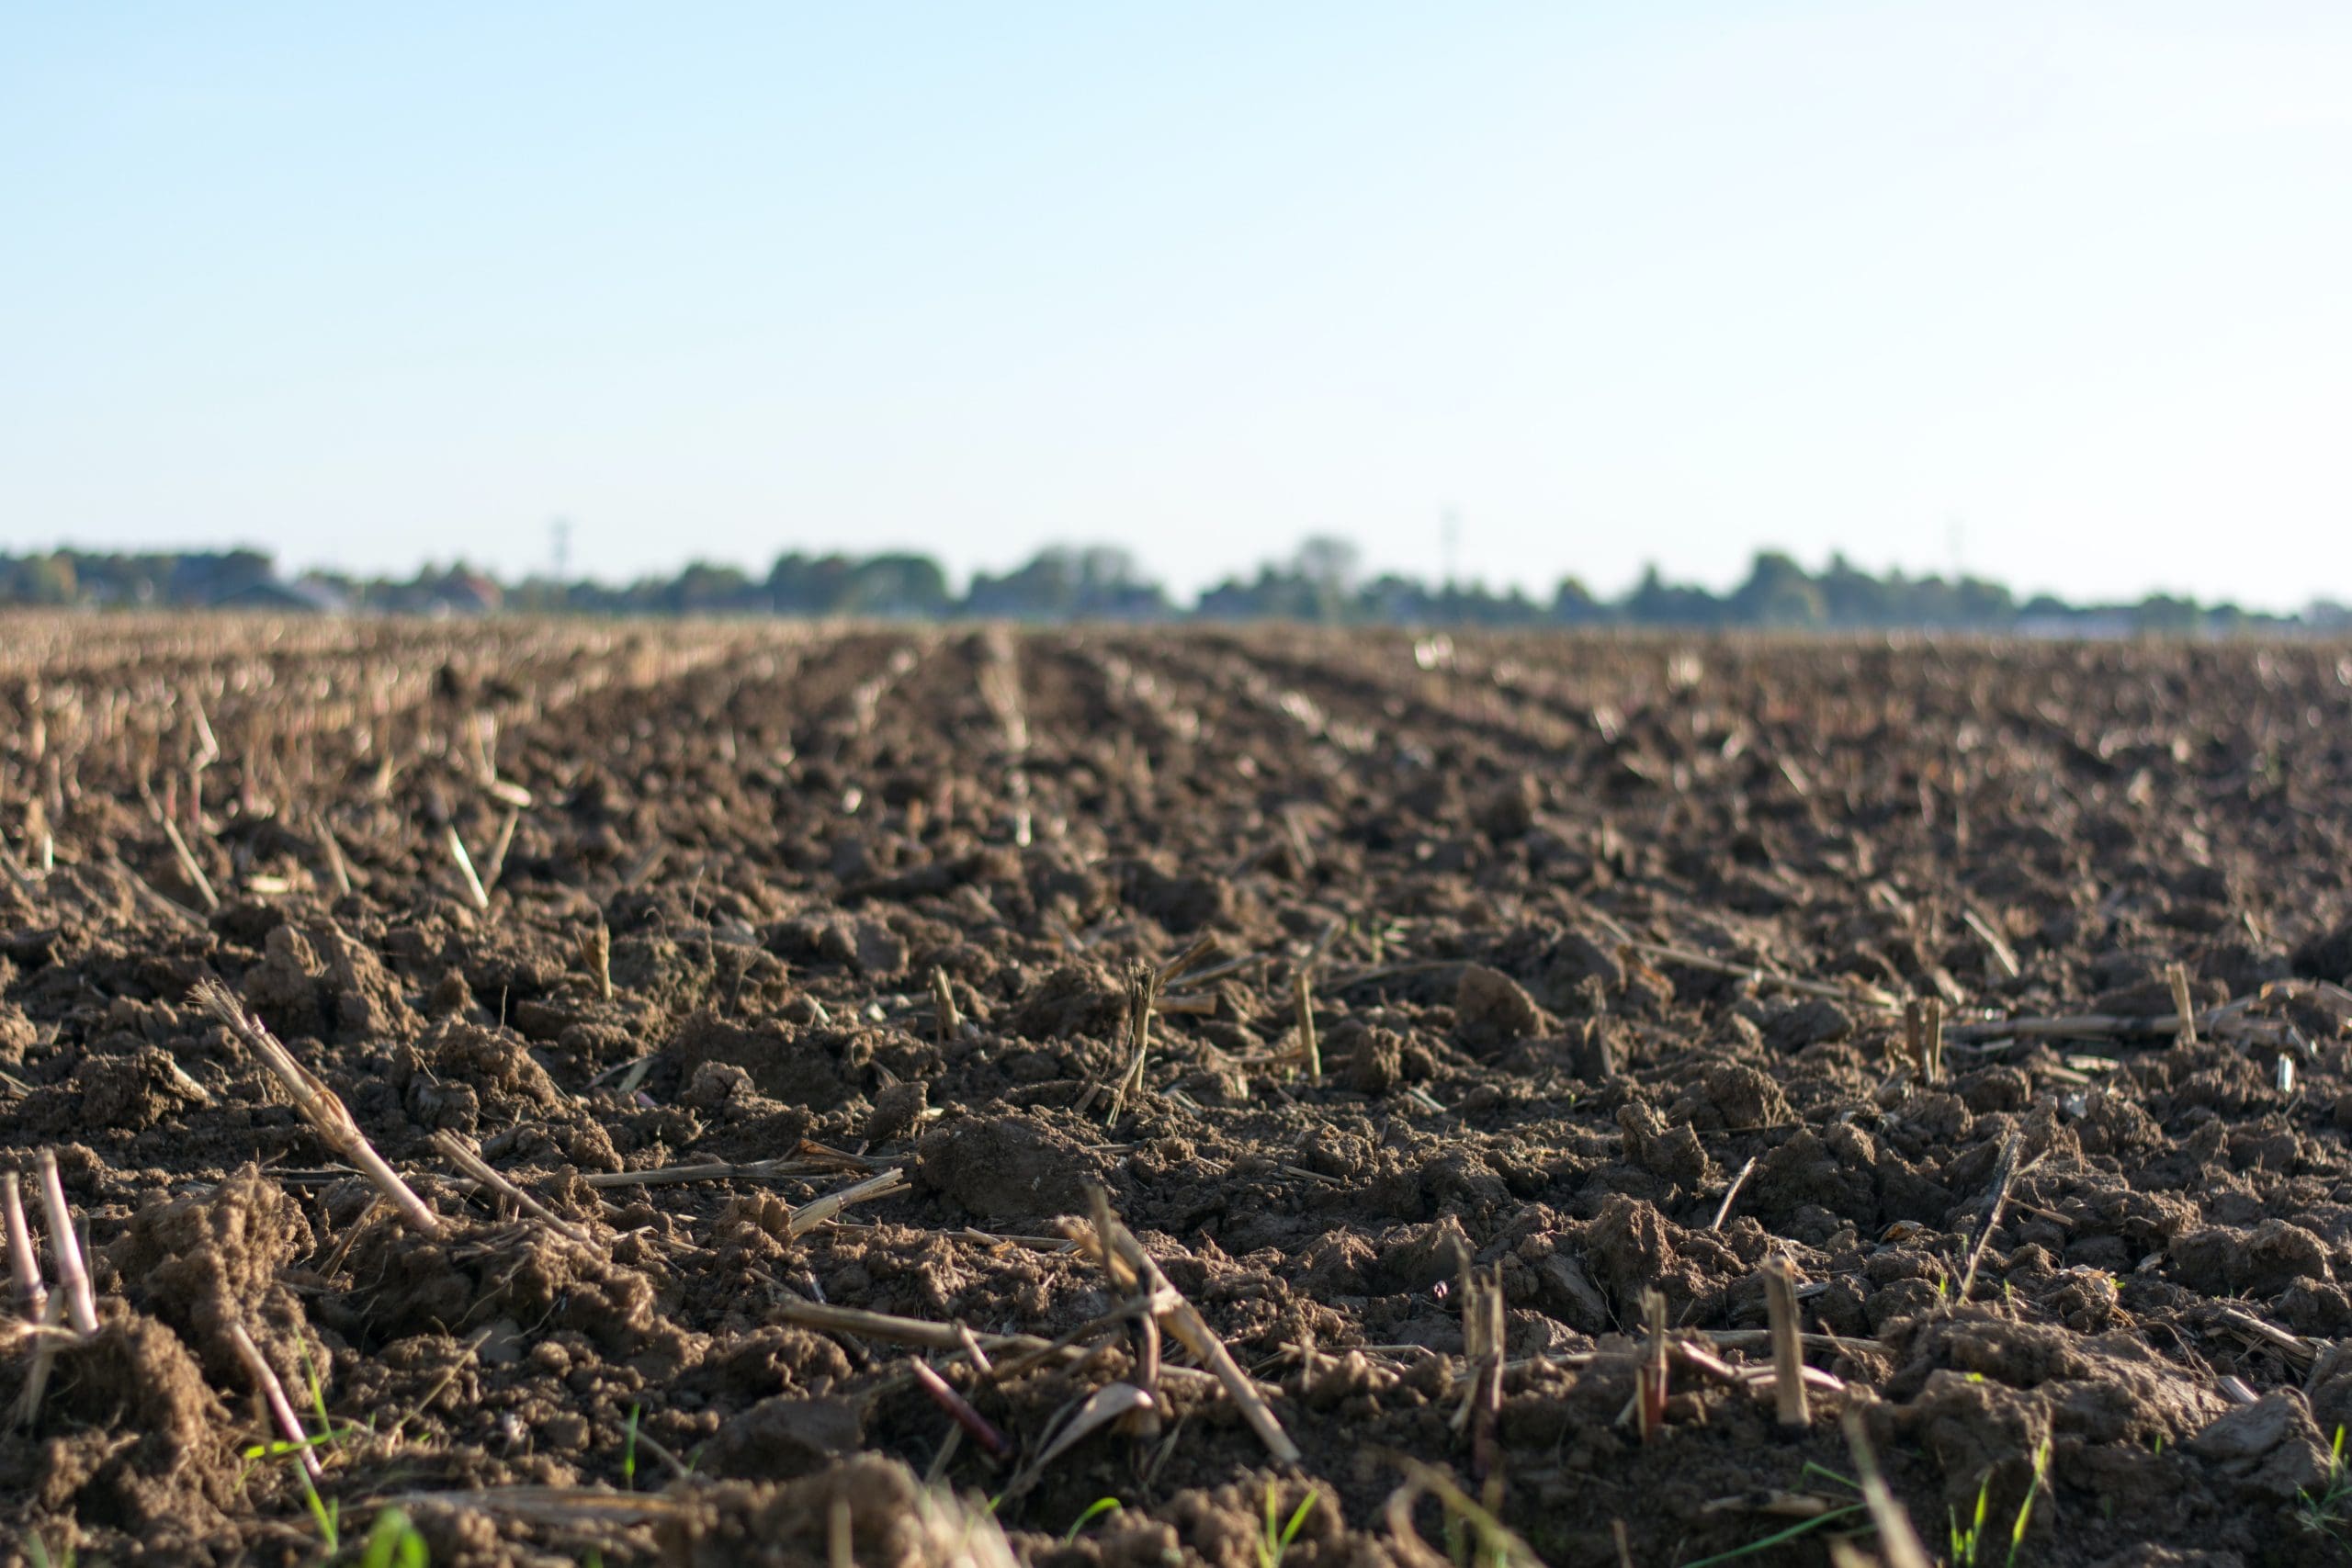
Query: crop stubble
x,y
773,1021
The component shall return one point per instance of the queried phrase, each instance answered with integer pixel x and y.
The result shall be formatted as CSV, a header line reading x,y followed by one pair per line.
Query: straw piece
x,y
495,866
894,1330
2227,1018
1897,1540
946,1020
337,868
1137,1303
2002,1182
32,1296
465,1159
1787,1355
596,953
208,745
1193,1330
318,1103
47,1335
1302,982
558,1507
1730,1194
160,903
1858,992
809,1215
709,1171
2300,1352
465,866
1650,1392
273,1396
2004,957
1706,1363
73,1278
1143,994
943,1394
188,868
1923,1027
1819,1344
1106,1405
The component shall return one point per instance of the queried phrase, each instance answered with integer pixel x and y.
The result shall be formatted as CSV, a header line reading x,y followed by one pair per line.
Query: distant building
x,y
303,597
469,593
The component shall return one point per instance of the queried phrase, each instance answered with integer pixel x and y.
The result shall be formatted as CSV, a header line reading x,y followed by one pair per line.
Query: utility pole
x,y
561,528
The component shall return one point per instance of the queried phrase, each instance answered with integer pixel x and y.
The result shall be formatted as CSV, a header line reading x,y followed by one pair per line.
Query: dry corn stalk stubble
x,y
1788,1353
1178,1316
1186,815
317,1104
32,1295
73,1277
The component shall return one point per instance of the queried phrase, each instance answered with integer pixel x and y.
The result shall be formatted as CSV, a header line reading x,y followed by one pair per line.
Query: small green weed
x,y
1782,1536
628,1451
393,1542
1474,1537
1967,1543
1277,1537
316,1389
1095,1510
275,1449
2328,1512
2025,1509
1802,1527
1964,1543
326,1511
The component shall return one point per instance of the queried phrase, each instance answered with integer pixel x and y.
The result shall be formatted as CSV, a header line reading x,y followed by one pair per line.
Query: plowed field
x,y
769,1024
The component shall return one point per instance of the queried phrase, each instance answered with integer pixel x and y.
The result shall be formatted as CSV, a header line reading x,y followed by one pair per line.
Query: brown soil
x,y
797,840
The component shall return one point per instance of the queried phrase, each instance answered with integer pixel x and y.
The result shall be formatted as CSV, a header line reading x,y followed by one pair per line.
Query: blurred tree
x,y
1331,563
1321,581
704,588
1658,602
1573,604
897,585
46,580
1777,593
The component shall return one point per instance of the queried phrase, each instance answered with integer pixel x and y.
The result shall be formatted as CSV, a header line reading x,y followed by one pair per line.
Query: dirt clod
x,y
1493,1010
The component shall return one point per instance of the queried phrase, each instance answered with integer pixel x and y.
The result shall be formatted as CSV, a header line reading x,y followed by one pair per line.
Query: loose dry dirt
x,y
1605,925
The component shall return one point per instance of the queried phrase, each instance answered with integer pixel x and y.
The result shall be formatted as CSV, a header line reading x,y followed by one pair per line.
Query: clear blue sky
x,y
2066,286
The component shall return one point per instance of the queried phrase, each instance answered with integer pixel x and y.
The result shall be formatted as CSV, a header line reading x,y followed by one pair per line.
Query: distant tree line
x,y
1322,580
